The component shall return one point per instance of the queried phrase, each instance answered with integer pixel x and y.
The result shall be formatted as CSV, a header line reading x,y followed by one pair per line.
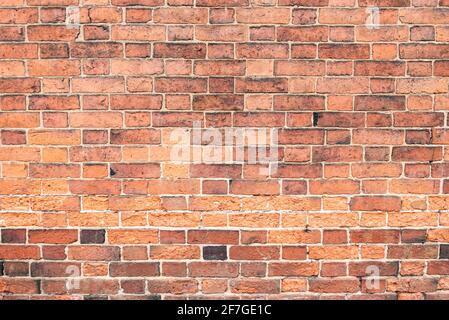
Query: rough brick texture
x,y
89,195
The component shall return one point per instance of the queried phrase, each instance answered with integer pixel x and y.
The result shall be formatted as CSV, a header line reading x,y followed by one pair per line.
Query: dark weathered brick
x,y
92,236
215,253
13,235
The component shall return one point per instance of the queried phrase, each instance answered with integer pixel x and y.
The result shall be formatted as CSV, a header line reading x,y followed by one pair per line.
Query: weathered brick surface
x,y
93,205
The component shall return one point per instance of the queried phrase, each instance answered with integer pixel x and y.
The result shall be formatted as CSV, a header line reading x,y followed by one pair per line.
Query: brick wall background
x,y
93,206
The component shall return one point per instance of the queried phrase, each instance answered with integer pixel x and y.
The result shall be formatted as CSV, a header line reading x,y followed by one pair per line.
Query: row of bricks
x,y
213,171
226,3
238,145
384,106
391,289
250,173
59,156
273,252
50,269
327,85
226,68
233,172
200,138
185,252
286,203
193,187
255,15
379,52
160,153
240,33
266,120
217,236
250,221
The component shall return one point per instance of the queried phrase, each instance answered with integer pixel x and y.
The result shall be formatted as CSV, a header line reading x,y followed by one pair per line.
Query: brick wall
x,y
93,204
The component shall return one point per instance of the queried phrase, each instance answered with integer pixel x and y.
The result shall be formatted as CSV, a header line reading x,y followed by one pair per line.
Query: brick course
x,y
89,189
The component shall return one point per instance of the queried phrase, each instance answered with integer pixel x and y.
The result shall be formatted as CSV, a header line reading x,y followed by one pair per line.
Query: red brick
x,y
218,102
179,50
135,136
94,253
380,103
131,269
212,237
374,236
334,285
